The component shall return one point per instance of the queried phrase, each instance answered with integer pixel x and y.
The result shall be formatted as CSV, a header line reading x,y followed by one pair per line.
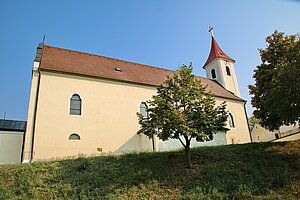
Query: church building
x,y
82,103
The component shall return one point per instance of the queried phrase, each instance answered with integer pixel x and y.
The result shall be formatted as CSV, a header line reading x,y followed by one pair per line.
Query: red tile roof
x,y
74,62
215,52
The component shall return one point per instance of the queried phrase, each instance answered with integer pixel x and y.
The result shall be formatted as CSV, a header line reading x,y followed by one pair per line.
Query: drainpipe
x,y
23,144
247,122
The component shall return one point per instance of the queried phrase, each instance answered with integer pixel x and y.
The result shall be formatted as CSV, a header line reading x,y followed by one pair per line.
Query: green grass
x,y
248,171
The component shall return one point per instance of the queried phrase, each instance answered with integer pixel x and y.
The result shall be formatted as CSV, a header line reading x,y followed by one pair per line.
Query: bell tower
x,y
220,67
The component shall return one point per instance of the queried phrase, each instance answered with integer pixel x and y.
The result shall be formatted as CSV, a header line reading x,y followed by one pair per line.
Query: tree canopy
x,y
277,82
183,109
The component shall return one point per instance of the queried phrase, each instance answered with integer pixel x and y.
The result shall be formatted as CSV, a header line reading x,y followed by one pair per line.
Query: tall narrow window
x,y
75,105
213,73
144,109
230,120
228,71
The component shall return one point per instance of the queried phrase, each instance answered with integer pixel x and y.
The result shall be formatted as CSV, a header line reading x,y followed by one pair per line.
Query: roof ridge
x,y
224,87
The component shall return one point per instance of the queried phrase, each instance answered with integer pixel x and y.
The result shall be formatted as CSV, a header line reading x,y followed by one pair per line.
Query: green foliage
x,y
223,172
277,82
252,121
181,109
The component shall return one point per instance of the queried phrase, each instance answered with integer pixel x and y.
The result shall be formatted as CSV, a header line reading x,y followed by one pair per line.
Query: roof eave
x,y
207,63
124,81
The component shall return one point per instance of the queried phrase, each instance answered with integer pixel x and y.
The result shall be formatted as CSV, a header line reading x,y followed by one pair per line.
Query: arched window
x,y
230,120
144,109
213,73
74,136
228,71
75,105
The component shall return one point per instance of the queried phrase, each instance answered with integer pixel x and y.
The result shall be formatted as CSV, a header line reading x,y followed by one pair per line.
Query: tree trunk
x,y
188,155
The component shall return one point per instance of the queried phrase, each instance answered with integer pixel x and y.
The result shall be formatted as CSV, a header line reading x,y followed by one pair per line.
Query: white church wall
x,y
239,133
137,143
108,122
228,82
216,65
234,81
173,144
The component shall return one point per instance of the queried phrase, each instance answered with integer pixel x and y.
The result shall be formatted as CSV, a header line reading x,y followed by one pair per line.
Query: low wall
x,y
10,147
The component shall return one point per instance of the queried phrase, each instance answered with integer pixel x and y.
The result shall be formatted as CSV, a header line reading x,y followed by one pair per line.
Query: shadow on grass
x,y
235,170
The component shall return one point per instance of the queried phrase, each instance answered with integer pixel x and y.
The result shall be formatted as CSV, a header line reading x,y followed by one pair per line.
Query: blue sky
x,y
162,33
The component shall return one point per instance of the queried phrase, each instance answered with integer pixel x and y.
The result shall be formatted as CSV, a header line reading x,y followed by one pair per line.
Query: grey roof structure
x,y
12,125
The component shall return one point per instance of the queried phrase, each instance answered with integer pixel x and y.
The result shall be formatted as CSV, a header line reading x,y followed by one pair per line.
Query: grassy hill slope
x,y
248,171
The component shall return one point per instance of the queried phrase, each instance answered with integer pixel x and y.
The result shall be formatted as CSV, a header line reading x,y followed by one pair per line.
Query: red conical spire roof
x,y
216,52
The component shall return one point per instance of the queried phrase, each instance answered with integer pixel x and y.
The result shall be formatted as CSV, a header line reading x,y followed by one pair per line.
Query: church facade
x,y
82,103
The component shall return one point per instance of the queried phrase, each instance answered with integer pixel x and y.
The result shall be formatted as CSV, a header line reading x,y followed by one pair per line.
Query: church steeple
x,y
219,66
215,50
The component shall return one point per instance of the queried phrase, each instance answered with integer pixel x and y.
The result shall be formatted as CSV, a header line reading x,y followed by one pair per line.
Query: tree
x,y
252,121
183,110
277,82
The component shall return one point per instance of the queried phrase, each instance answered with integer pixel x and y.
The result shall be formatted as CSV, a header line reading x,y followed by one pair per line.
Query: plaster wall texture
x,y
108,119
240,133
173,144
30,115
216,65
228,82
10,147
286,130
260,134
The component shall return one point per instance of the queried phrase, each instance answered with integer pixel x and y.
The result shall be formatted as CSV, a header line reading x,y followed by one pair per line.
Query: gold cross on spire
x,y
210,30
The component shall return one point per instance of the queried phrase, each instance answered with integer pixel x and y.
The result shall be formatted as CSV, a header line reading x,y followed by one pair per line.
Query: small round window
x,y
74,136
